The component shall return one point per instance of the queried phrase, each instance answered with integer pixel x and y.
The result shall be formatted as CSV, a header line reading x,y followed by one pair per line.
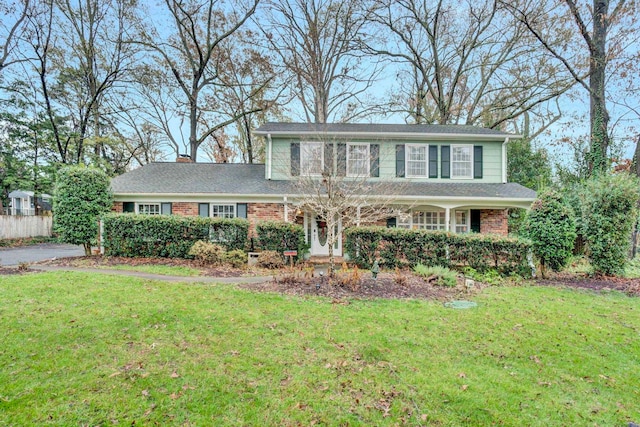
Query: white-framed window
x,y
223,211
422,219
462,161
403,220
358,159
463,219
149,208
311,158
417,160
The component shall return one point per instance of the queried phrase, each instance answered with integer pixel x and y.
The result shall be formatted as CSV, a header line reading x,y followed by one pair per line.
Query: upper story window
x,y
462,161
358,159
416,160
311,158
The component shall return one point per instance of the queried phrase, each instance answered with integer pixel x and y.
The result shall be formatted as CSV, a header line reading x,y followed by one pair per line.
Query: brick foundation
x,y
494,221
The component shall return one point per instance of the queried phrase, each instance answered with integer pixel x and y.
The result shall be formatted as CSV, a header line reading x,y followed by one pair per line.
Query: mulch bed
x,y
387,285
599,284
99,261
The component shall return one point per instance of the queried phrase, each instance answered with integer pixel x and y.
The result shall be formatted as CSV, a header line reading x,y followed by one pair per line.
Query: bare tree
x,y
344,193
605,30
319,44
193,53
464,62
248,90
77,69
12,27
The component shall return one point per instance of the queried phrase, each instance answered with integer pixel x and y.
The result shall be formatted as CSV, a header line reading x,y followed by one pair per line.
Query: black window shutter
x,y
203,209
241,210
165,208
295,159
342,160
375,160
400,160
328,158
445,164
433,161
128,207
475,220
477,161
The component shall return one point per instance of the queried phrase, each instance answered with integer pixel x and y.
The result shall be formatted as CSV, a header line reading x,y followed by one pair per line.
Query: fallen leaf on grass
x,y
464,387
462,375
145,393
175,375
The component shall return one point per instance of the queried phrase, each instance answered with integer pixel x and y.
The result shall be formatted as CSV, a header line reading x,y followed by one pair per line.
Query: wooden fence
x,y
17,227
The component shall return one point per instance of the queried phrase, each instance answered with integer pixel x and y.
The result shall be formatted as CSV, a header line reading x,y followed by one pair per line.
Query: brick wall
x,y
257,212
494,221
184,208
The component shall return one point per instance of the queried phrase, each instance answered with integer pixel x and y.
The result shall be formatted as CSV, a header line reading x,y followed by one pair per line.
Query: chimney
x,y
184,158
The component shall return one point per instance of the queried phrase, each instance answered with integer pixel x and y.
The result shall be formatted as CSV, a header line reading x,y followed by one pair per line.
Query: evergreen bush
x,y
551,228
169,236
81,195
281,236
396,247
609,213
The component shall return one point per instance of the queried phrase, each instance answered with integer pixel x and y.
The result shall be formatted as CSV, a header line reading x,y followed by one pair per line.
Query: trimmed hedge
x,y
397,247
169,236
281,236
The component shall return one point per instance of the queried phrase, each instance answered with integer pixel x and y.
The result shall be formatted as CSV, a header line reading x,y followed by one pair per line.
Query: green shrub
x,y
236,258
81,195
441,276
207,252
609,212
270,259
552,230
395,247
168,236
281,236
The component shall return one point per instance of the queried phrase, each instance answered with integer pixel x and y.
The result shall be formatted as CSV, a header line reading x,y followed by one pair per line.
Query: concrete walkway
x,y
151,276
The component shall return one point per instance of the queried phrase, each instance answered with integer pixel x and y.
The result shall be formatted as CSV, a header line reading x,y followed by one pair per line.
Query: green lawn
x,y
91,349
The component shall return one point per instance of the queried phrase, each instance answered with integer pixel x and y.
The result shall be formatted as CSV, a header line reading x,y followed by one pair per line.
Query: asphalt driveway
x,y
46,251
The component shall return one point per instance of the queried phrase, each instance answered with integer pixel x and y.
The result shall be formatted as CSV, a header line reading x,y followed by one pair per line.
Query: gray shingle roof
x,y
249,179
379,129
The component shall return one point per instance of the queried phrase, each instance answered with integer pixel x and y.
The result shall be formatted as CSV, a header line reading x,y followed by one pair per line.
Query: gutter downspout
x,y
269,152
504,160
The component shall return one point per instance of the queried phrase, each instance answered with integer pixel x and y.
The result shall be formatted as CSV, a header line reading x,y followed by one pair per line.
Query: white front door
x,y
319,236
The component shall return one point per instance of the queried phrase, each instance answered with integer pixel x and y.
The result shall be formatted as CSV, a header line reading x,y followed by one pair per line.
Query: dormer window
x,y
311,158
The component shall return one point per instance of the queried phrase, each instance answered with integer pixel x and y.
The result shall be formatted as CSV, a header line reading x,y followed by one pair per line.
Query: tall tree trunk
x,y
193,127
598,110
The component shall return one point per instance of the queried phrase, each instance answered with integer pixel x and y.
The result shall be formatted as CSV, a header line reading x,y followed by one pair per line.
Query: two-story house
x,y
449,178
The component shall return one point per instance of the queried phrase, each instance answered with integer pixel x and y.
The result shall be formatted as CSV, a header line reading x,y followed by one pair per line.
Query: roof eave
x,y
394,135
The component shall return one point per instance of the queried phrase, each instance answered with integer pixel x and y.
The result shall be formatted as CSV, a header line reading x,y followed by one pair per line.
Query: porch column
x,y
286,210
447,219
358,217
